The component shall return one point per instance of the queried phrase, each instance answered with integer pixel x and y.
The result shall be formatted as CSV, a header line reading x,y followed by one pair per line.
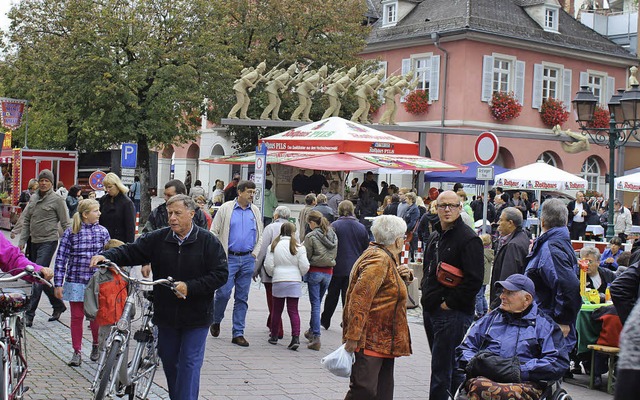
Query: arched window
x,y
591,172
548,158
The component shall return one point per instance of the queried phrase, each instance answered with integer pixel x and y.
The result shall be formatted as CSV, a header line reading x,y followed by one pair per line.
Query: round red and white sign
x,y
486,149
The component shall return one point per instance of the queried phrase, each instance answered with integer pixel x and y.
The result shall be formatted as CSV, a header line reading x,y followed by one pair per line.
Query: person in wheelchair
x,y
513,351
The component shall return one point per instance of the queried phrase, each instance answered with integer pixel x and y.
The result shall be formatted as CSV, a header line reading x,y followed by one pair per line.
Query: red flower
x,y
553,113
504,106
417,102
601,118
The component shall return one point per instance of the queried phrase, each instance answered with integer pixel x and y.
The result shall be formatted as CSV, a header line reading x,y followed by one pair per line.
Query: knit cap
x,y
46,174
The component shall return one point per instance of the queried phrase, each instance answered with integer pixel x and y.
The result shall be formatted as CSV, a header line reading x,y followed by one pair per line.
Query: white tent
x,y
540,176
628,183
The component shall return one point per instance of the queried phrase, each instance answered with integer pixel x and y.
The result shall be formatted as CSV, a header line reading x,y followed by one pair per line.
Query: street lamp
x,y
624,121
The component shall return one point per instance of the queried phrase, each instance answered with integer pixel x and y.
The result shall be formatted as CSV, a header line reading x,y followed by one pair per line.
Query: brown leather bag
x,y
448,275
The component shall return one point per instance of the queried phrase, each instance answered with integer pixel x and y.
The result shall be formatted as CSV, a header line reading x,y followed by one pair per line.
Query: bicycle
x,y
13,342
144,363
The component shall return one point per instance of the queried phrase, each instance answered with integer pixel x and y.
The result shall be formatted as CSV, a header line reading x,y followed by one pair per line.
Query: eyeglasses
x,y
450,206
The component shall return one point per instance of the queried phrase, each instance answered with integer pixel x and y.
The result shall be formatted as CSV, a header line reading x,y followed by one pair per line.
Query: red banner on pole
x,y
12,112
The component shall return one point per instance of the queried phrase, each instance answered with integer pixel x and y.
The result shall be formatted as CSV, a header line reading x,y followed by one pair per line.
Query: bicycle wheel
x,y
146,371
109,372
17,359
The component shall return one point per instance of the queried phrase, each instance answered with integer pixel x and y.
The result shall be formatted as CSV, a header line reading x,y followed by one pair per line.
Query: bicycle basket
x,y
13,300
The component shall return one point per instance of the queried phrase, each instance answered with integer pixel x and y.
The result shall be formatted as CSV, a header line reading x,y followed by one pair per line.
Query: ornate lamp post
x,y
624,110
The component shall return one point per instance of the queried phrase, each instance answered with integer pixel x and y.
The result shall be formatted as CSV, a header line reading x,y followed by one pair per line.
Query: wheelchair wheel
x,y
561,395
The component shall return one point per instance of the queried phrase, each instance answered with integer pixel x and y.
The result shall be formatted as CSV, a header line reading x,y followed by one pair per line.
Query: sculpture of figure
x,y
395,86
579,143
305,90
368,88
246,83
633,79
337,89
278,83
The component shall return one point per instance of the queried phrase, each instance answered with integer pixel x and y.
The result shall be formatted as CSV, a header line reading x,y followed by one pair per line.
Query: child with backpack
x,y
84,239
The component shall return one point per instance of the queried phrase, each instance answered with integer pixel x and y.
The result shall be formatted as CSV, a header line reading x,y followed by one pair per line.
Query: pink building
x,y
464,51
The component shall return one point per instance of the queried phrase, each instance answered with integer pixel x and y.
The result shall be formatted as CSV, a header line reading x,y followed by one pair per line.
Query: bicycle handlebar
x,y
29,270
168,282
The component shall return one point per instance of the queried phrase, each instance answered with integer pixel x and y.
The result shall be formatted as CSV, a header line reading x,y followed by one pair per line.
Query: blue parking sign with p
x,y
129,155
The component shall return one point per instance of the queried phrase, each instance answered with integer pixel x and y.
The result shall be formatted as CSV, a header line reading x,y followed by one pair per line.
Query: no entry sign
x,y
486,149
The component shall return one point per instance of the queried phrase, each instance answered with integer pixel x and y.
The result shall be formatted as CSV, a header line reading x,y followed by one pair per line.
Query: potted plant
x,y
553,112
417,102
601,118
504,106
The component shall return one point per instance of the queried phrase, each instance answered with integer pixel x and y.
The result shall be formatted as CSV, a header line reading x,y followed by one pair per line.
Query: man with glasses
x,y
448,311
159,217
238,226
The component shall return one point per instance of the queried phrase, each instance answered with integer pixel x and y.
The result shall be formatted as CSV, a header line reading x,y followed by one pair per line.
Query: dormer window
x,y
390,15
551,19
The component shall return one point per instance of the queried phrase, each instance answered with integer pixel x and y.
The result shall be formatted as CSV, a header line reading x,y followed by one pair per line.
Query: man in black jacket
x,y
197,261
625,291
511,251
159,219
448,312
579,212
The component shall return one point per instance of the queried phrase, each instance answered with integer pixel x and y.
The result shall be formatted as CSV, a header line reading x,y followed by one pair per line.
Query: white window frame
x,y
547,80
423,72
553,14
511,72
390,13
607,85
590,171
548,158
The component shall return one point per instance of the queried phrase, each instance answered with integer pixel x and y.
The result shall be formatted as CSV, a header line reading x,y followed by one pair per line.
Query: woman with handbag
x,y
508,352
411,217
374,318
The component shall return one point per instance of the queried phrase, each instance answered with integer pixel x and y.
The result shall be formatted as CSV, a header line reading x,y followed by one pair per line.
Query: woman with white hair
x,y
117,212
375,315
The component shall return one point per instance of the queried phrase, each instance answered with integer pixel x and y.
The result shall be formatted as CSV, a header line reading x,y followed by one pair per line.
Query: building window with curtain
x,y
550,83
422,68
591,173
501,75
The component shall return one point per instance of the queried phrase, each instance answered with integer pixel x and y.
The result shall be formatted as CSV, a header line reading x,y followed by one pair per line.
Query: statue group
x,y
306,83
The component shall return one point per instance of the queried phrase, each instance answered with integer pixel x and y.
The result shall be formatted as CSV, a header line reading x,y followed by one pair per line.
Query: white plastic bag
x,y
339,362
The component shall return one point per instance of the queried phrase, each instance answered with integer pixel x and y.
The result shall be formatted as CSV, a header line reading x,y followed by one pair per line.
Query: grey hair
x,y
387,228
618,202
186,200
514,215
554,213
282,212
590,251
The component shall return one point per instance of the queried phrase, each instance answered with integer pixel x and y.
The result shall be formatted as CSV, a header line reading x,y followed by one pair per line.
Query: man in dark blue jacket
x,y
197,261
553,268
353,239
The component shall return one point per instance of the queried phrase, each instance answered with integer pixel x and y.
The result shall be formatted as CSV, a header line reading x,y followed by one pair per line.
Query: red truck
x,y
21,165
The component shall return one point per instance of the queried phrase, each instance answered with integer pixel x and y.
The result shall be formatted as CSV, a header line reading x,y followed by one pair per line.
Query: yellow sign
x,y
6,144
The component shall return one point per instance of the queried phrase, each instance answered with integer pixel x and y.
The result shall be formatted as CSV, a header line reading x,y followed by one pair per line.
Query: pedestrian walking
x,y
73,198
269,202
84,239
134,192
41,218
353,239
238,226
61,190
322,247
286,262
117,212
26,194
159,217
187,182
309,204
197,262
375,314
448,302
197,190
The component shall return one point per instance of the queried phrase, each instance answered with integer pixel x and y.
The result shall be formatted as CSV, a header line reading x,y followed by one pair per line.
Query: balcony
x,y
621,28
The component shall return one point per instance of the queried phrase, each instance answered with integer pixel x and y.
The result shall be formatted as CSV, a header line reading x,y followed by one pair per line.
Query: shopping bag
x,y
339,362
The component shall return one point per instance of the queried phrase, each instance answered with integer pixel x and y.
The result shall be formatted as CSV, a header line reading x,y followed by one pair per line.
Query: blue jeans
x,y
481,302
318,282
182,354
240,273
41,254
449,328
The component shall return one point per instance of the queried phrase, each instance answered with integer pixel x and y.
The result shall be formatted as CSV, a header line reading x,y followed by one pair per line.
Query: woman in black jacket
x,y
117,212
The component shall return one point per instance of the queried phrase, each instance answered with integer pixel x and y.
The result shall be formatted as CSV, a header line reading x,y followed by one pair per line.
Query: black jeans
x,y
41,254
337,288
577,230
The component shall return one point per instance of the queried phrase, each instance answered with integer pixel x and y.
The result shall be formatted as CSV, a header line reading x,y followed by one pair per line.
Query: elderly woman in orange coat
x,y
375,314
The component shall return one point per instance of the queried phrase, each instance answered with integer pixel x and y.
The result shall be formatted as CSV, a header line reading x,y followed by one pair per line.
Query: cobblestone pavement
x,y
261,371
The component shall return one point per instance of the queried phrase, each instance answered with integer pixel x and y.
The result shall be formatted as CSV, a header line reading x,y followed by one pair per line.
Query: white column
x,y
164,173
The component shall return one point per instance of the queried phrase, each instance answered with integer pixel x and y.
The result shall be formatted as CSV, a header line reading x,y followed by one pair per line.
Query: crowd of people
x,y
499,309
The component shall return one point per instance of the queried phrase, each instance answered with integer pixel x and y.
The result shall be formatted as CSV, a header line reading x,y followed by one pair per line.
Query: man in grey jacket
x,y
46,209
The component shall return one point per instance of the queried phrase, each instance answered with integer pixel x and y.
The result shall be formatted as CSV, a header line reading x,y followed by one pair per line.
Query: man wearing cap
x,y
516,329
46,209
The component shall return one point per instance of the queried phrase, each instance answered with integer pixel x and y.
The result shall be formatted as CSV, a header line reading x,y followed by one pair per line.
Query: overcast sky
x,y
5,6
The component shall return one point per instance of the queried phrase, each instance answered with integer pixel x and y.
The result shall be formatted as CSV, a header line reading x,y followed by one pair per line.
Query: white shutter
x,y
567,93
487,78
519,92
406,67
584,79
536,96
611,87
434,79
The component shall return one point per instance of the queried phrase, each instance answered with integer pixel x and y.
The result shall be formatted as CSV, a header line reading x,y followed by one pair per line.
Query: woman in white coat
x,y
286,263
